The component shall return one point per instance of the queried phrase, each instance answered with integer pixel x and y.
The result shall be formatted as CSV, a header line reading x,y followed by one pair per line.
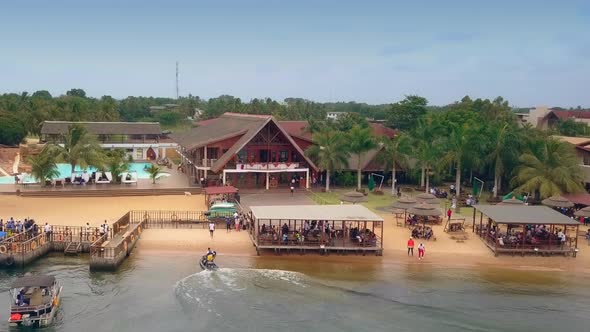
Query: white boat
x,y
34,301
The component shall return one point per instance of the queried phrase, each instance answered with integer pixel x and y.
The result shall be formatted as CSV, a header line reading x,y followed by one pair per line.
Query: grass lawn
x,y
376,201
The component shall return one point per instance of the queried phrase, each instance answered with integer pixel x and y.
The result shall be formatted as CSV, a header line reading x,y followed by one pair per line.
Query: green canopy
x,y
371,183
511,194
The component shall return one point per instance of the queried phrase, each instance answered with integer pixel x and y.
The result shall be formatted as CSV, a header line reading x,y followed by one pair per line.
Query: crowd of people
x,y
13,227
532,235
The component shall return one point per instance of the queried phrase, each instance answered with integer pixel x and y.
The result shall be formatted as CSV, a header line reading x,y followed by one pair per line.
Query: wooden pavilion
x,y
521,229
339,228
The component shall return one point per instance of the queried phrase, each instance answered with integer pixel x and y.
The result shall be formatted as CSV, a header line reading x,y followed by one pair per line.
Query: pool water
x,y
65,171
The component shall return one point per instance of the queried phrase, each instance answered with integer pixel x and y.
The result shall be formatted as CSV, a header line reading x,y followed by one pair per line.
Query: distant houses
x,y
544,118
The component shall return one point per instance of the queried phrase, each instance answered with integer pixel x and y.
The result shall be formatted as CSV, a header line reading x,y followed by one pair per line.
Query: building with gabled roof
x,y
245,150
140,140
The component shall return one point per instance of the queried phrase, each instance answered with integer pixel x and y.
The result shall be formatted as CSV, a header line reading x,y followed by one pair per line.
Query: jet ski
x,y
205,265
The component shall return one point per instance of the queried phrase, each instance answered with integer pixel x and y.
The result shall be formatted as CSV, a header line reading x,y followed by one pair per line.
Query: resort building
x,y
545,118
141,140
246,151
582,148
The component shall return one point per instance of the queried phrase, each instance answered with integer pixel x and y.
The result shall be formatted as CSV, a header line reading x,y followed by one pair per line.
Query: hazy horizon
x,y
374,52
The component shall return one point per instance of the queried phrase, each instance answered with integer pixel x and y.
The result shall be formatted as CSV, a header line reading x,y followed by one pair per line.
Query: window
x,y
283,156
586,159
294,157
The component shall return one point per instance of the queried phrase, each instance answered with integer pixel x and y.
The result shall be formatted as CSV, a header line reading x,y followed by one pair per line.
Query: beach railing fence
x,y
175,219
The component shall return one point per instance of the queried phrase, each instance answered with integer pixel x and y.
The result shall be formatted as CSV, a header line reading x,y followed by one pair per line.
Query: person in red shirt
x,y
411,247
449,213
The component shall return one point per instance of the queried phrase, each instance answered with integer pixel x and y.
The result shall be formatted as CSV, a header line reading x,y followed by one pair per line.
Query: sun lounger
x,y
129,178
109,178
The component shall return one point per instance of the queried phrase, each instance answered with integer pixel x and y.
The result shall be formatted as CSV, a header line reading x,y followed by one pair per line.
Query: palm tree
x,y
79,148
329,151
394,153
552,170
43,166
153,171
117,163
503,146
360,141
427,147
460,146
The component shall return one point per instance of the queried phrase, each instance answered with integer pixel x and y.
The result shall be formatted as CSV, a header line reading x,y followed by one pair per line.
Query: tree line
x,y
458,142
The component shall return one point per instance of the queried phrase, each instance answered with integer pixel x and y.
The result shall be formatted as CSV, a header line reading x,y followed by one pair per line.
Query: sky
x,y
530,52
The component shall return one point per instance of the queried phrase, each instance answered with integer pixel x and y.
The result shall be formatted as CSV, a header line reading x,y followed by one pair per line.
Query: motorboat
x,y
206,265
34,301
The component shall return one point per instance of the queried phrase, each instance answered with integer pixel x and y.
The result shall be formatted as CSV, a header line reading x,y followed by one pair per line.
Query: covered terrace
x,y
339,228
522,229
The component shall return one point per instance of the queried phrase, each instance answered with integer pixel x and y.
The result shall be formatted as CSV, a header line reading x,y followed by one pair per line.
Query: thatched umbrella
x,y
585,212
424,210
404,204
427,198
353,197
557,201
511,201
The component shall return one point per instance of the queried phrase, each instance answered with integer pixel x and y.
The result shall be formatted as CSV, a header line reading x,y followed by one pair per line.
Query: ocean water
x,y
65,171
168,292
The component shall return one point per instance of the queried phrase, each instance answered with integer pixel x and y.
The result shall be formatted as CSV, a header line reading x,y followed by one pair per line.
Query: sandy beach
x,y
79,211
444,251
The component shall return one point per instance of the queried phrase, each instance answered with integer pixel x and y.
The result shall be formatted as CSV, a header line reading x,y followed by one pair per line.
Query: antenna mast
x,y
176,80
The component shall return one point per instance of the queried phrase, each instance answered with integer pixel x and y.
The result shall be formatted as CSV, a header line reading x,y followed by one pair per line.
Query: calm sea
x,y
166,292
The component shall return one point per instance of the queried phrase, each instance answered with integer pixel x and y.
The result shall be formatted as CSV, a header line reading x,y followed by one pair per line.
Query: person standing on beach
x,y
449,213
421,250
411,246
211,228
228,224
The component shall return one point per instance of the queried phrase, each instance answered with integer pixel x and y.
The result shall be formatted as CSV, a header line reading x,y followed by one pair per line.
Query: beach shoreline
x,y
444,252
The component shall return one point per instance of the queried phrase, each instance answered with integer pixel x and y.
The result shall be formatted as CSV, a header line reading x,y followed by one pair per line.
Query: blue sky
x,y
530,52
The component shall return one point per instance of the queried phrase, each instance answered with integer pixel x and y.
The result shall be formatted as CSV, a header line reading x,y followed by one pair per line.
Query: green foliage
x,y
79,148
570,127
404,115
76,93
169,118
117,163
360,141
349,120
12,132
345,179
153,171
43,166
551,170
329,152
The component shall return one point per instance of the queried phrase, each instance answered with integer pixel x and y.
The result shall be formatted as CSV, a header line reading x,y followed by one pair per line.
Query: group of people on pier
x,y
14,227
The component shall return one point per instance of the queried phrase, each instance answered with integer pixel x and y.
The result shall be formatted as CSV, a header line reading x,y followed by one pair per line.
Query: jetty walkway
x,y
107,251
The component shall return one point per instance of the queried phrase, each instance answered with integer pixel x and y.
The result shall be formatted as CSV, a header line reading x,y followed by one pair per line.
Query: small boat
x,y
34,301
211,266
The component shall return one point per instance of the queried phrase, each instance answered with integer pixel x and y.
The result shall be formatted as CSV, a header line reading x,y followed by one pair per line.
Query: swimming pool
x,y
65,171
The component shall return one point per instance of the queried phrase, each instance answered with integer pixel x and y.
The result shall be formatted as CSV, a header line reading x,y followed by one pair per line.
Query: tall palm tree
x,y
360,141
461,143
153,171
329,151
503,141
395,152
43,166
79,148
427,148
552,170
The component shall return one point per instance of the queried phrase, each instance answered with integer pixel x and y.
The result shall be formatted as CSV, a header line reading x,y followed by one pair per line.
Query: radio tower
x,y
176,80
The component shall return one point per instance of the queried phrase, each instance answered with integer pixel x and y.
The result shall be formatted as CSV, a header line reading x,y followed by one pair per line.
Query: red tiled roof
x,y
220,190
581,198
296,128
569,114
381,130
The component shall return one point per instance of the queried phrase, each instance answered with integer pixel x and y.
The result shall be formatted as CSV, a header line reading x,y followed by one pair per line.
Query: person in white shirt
x,y
47,229
211,228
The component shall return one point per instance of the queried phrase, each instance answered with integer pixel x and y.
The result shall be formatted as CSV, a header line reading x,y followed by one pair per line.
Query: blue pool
x,y
65,171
